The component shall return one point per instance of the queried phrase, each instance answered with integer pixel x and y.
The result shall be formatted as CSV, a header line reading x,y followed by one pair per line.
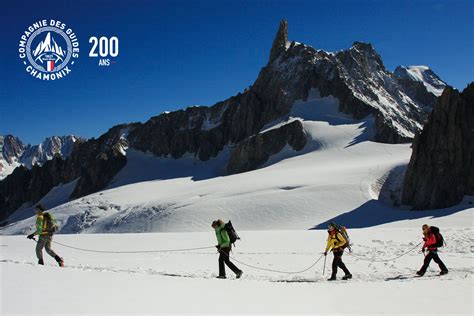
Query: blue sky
x,y
179,53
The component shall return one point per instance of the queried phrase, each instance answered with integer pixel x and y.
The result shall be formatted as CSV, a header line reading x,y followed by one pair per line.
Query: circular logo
x,y
48,49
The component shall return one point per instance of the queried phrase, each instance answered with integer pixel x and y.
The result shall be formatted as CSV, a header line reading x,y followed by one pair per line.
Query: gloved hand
x,y
325,253
218,247
31,236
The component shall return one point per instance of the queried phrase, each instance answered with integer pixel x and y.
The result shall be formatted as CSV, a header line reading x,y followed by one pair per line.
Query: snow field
x,y
184,281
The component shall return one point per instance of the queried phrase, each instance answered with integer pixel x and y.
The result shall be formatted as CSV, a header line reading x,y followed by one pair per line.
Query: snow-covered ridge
x,y
424,75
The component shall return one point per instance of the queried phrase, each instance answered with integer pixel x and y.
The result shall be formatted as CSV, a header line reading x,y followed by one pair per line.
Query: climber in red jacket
x,y
433,240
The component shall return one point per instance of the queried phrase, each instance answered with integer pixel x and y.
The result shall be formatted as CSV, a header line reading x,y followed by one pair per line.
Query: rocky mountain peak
x,y
364,53
15,153
47,149
363,46
421,74
11,147
280,42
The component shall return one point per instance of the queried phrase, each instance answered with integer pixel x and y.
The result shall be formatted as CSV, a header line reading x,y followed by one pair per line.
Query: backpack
x,y
343,231
233,236
50,224
438,236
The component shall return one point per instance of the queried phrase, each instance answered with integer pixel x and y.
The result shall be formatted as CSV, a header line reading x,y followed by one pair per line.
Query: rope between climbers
x,y
133,251
384,260
190,249
273,270
232,257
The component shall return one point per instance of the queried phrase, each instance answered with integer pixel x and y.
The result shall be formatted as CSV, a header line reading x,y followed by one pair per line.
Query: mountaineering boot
x,y
419,273
59,260
347,276
332,278
221,277
239,274
443,272
41,262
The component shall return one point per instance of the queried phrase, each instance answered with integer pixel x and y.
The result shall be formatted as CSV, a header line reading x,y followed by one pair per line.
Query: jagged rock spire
x,y
280,41
441,168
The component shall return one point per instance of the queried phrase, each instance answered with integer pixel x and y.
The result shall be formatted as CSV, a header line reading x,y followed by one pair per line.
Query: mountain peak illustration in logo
x,y
48,51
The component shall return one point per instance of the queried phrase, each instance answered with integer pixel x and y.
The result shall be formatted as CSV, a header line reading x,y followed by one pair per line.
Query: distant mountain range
x,y
15,153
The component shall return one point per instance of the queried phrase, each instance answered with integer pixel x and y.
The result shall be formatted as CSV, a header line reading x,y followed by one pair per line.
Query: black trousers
x,y
337,262
432,255
224,258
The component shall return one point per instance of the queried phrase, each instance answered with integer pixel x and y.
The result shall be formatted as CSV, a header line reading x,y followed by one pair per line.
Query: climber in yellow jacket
x,y
336,242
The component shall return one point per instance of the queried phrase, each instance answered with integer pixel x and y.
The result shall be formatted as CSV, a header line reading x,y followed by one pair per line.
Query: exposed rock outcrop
x,y
254,151
441,168
12,148
280,42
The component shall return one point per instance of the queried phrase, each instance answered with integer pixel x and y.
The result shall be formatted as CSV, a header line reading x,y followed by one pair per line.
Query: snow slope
x,y
183,282
56,196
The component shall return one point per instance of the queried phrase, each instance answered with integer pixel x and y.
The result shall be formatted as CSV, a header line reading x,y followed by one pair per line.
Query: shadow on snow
x,y
374,212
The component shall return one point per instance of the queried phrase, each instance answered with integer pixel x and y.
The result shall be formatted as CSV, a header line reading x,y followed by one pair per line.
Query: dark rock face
x,y
441,169
14,191
386,132
280,41
417,91
12,148
254,151
414,80
96,162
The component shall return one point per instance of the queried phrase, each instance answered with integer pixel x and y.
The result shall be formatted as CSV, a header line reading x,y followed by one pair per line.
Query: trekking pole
x,y
324,266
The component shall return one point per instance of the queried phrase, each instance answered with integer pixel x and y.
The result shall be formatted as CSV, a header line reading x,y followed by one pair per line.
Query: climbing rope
x,y
233,257
133,251
273,270
384,260
189,249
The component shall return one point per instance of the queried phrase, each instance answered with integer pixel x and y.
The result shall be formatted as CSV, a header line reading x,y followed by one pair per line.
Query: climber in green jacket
x,y
45,229
224,248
